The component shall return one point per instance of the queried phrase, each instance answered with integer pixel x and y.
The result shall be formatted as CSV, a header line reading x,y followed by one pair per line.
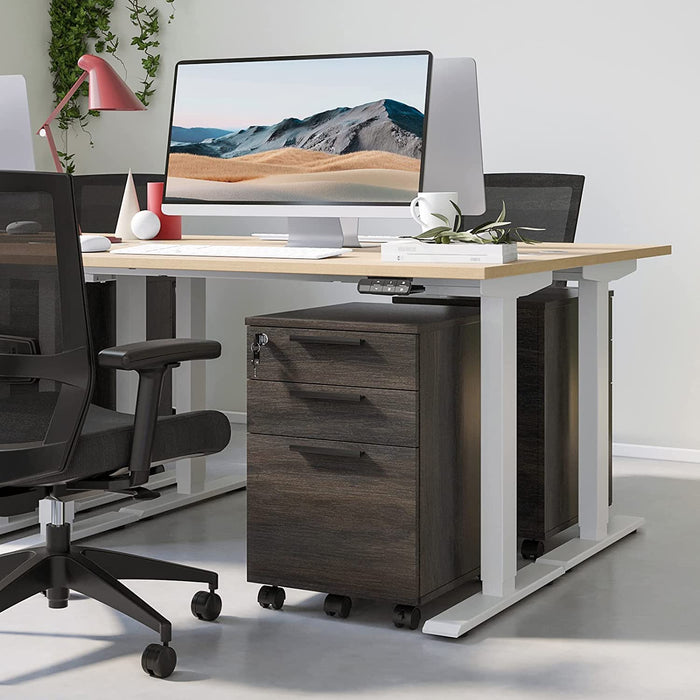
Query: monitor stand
x,y
323,232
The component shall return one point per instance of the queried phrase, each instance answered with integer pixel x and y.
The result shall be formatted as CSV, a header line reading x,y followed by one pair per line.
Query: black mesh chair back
x,y
46,364
543,200
98,198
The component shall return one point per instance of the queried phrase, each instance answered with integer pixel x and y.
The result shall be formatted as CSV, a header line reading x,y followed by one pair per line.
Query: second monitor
x,y
323,140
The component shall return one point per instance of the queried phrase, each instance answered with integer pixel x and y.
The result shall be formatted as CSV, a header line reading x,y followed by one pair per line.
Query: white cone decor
x,y
130,206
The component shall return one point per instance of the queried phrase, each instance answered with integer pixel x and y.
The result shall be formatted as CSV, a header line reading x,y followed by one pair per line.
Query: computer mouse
x,y
19,227
94,244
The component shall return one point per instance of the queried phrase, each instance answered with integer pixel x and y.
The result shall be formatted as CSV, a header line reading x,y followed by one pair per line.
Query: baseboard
x,y
236,416
664,454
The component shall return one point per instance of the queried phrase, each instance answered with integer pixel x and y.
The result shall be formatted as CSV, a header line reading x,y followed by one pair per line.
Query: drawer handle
x,y
324,340
326,396
327,451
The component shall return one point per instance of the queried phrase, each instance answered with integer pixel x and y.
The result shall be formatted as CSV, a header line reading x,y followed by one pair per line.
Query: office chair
x,y
543,200
98,198
55,444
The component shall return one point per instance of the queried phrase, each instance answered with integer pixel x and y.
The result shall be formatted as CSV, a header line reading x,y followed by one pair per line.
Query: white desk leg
x,y
501,586
498,445
593,409
189,380
596,531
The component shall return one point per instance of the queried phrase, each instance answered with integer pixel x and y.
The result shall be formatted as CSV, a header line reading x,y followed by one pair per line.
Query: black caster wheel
x,y
406,616
158,660
339,605
532,549
206,605
271,597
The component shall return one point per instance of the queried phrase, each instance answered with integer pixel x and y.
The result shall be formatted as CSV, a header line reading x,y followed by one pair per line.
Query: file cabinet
x,y
363,454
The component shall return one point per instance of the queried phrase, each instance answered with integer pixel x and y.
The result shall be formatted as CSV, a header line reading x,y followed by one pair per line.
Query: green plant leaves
x,y
499,231
75,24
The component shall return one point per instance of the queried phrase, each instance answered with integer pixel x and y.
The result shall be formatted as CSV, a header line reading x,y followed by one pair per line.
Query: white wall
x,y
607,89
24,40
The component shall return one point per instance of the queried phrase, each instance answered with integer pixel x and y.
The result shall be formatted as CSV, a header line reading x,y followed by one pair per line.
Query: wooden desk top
x,y
366,262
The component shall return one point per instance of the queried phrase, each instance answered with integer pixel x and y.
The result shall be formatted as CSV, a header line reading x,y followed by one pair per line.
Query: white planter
x,y
412,250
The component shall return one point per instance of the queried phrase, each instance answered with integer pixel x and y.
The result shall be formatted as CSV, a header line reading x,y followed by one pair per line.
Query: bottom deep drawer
x,y
334,517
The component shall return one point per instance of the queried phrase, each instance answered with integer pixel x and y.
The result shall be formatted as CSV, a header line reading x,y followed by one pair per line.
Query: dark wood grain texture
x,y
547,406
382,360
333,524
101,305
160,323
380,416
401,522
449,513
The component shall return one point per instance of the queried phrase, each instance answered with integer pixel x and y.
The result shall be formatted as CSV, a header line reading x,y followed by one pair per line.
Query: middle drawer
x,y
378,416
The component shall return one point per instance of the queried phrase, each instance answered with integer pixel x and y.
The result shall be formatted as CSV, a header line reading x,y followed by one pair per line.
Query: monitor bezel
x,y
180,206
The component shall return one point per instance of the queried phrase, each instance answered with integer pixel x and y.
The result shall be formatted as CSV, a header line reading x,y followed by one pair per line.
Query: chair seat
x,y
105,440
104,445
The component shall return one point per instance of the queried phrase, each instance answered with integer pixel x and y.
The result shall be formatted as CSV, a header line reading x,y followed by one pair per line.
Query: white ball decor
x,y
145,225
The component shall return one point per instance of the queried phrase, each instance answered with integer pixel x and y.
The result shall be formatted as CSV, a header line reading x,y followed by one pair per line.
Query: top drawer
x,y
343,358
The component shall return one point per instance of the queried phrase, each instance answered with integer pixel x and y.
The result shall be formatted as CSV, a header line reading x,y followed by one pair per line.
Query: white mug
x,y
429,203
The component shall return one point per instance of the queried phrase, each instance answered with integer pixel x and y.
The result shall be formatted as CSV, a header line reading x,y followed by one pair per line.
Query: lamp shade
x,y
107,91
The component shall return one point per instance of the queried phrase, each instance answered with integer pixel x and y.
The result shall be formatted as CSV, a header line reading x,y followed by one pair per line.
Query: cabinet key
x,y
259,340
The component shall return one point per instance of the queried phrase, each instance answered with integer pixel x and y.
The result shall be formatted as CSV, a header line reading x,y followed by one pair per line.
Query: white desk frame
x,y
502,584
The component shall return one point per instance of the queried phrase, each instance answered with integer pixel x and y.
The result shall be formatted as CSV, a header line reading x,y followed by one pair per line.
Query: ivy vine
x,y
78,24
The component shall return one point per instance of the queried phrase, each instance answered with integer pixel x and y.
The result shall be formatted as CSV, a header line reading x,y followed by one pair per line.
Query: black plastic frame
x,y
535,180
74,368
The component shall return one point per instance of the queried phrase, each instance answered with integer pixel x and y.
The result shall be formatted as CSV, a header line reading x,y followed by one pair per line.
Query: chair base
x,y
59,567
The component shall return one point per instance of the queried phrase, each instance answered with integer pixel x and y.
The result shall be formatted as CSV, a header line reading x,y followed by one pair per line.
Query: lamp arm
x,y
45,129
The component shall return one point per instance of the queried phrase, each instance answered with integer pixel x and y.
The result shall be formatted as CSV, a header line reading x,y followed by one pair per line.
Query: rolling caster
x,y
158,660
532,549
206,605
271,597
406,616
337,605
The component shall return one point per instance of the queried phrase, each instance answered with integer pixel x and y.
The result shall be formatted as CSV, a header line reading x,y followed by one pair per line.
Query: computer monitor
x,y
323,140
16,151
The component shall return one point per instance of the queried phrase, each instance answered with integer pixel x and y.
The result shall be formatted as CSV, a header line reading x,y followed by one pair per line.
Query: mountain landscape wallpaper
x,y
318,147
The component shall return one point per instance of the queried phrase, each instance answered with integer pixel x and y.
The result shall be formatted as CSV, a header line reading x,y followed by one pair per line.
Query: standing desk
x,y
499,286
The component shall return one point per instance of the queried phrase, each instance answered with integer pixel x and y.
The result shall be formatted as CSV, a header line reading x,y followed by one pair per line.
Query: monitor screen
x,y
312,130
16,150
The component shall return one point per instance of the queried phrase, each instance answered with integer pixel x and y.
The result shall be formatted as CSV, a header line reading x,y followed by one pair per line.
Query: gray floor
x,y
626,624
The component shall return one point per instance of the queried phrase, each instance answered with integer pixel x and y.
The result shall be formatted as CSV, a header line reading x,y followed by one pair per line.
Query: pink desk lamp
x,y
107,91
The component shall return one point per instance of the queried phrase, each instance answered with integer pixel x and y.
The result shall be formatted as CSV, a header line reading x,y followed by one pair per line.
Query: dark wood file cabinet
x,y
363,454
547,362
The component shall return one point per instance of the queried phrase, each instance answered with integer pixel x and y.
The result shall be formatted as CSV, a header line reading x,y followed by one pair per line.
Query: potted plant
x,y
491,241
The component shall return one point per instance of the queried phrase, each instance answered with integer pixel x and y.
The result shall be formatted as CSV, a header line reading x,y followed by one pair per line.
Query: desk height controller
x,y
388,286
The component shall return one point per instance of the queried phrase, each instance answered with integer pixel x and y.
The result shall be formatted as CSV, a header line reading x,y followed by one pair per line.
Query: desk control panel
x,y
388,286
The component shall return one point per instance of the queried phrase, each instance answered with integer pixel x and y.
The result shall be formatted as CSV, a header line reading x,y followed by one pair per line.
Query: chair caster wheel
x,y
271,597
532,549
339,605
406,615
206,605
158,660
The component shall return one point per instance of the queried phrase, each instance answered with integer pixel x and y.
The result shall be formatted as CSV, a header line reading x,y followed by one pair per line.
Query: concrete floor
x,y
625,624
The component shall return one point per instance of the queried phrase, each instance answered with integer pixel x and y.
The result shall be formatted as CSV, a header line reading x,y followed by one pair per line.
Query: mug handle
x,y
414,205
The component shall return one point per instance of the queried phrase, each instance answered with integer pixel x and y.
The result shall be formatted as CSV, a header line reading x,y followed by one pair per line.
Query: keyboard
x,y
230,251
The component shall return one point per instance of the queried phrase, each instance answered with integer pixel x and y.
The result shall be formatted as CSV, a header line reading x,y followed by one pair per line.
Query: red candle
x,y
170,226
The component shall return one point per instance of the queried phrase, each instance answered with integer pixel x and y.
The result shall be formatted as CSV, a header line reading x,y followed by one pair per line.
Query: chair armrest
x,y
151,359
151,354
